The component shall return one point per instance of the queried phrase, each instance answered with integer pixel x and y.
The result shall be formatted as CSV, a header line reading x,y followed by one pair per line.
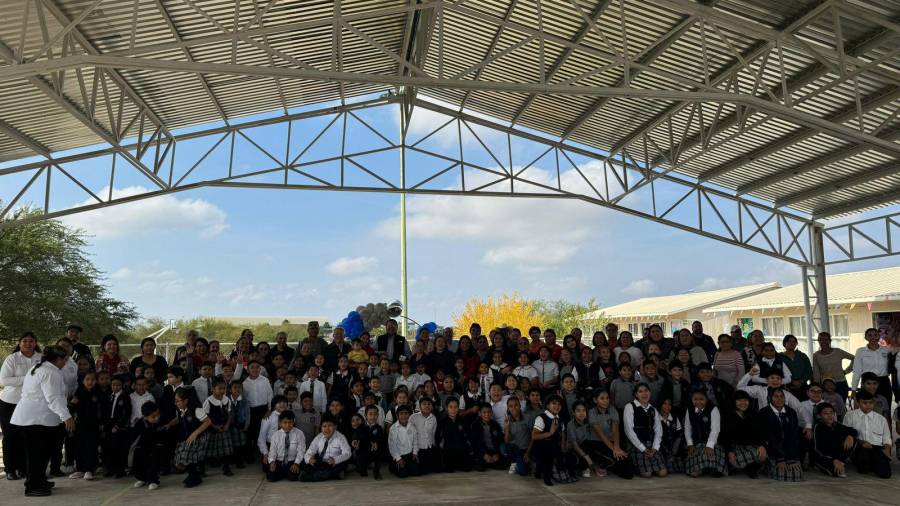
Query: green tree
x,y
562,316
47,281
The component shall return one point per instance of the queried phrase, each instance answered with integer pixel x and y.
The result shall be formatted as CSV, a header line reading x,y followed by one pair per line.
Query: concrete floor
x,y
496,488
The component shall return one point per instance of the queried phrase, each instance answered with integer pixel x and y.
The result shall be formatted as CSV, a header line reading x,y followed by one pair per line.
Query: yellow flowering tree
x,y
493,312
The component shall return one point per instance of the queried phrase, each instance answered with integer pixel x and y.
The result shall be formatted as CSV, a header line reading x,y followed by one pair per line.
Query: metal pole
x,y
403,294
809,313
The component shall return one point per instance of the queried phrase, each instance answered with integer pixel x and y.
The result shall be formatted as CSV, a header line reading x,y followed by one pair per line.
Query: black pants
x,y
61,443
479,464
410,467
884,388
456,459
321,471
282,471
146,464
115,451
429,460
363,459
256,416
86,442
13,442
39,443
545,453
872,459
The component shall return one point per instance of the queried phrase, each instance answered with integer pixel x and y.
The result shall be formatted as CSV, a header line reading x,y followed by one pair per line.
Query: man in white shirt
x,y
402,439
286,450
426,425
316,387
873,358
326,455
873,453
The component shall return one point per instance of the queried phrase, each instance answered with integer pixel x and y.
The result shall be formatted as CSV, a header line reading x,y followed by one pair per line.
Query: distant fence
x,y
166,350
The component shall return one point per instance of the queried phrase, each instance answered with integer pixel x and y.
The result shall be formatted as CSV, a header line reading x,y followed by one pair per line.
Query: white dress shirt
x,y
715,426
203,387
872,427
136,402
43,399
807,413
296,446
12,375
867,360
70,377
539,422
761,393
238,369
785,371
402,440
320,395
632,436
267,428
525,371
547,371
336,448
411,382
425,430
380,421
258,392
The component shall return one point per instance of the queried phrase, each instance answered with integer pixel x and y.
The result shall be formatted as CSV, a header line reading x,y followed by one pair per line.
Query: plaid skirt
x,y
698,462
238,437
674,461
195,453
644,464
788,474
219,445
744,455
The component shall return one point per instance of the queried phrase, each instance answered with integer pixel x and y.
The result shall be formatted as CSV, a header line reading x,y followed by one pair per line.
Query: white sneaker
x,y
842,475
586,473
76,476
139,484
512,469
153,486
89,476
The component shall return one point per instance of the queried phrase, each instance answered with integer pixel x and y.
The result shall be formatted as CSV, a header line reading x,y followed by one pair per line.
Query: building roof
x,y
748,95
271,320
671,304
848,288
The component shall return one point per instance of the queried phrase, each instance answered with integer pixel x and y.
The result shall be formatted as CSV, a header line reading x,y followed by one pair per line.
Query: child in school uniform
x,y
369,399
327,455
425,423
388,378
782,432
569,397
644,430
191,423
470,400
218,408
138,398
516,437
89,410
268,426
203,384
312,384
833,397
873,453
604,444
153,386
307,418
240,413
116,439
452,438
402,438
368,439
286,451
486,438
547,439
882,405
621,390
258,393
148,445
832,443
401,398
577,431
702,426
672,446
742,437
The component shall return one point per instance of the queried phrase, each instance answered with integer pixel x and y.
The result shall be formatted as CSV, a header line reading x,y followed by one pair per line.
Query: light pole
x,y
403,124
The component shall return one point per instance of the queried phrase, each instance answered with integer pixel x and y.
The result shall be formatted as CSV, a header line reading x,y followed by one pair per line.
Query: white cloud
x,y
640,287
713,283
531,234
164,213
346,266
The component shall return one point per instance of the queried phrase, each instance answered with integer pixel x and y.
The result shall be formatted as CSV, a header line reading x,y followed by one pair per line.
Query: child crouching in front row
x,y
286,450
148,443
327,454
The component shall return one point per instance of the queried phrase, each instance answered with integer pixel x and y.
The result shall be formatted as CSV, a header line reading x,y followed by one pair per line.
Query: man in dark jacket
x,y
393,344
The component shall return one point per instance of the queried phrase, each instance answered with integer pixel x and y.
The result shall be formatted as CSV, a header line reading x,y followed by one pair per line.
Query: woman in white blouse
x,y
12,375
40,410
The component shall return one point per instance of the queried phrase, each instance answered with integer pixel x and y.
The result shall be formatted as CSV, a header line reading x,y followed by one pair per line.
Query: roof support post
x,y
815,287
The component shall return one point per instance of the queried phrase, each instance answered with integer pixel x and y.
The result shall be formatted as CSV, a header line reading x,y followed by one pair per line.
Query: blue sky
x,y
255,252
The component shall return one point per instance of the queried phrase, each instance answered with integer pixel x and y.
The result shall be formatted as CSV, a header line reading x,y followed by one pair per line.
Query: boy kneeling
x,y
327,455
286,450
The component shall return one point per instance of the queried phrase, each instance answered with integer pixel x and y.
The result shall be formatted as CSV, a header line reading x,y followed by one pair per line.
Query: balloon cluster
x,y
373,314
431,327
352,325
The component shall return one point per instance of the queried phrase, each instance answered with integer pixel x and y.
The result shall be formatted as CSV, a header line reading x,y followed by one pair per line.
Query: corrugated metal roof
x,y
671,304
848,288
664,35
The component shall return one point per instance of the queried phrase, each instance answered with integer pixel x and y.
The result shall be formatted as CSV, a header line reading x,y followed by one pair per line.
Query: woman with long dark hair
x,y
149,358
40,410
110,360
12,377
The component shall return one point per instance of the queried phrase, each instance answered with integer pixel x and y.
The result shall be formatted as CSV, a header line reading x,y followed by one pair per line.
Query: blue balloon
x,y
352,325
430,326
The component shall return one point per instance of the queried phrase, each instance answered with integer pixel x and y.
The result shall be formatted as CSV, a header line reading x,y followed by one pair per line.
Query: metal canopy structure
x,y
747,121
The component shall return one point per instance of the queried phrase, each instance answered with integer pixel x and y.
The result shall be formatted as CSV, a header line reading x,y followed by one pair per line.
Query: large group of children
x,y
521,403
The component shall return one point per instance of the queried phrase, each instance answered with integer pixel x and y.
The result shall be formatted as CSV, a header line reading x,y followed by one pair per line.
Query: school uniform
x,y
760,394
517,447
267,428
485,439
220,444
426,427
701,431
369,450
258,393
672,445
828,446
308,422
622,392
319,393
875,361
782,433
872,428
116,437
12,376
742,435
525,371
452,438
203,387
718,392
766,365
547,451
147,447
89,410
322,448
606,422
137,401
402,447
577,436
643,430
287,449
656,386
388,382
547,371
195,453
240,413
679,394
340,385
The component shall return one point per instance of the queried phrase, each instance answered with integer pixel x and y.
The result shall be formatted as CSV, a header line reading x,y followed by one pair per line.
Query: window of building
x,y
797,326
840,325
773,327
